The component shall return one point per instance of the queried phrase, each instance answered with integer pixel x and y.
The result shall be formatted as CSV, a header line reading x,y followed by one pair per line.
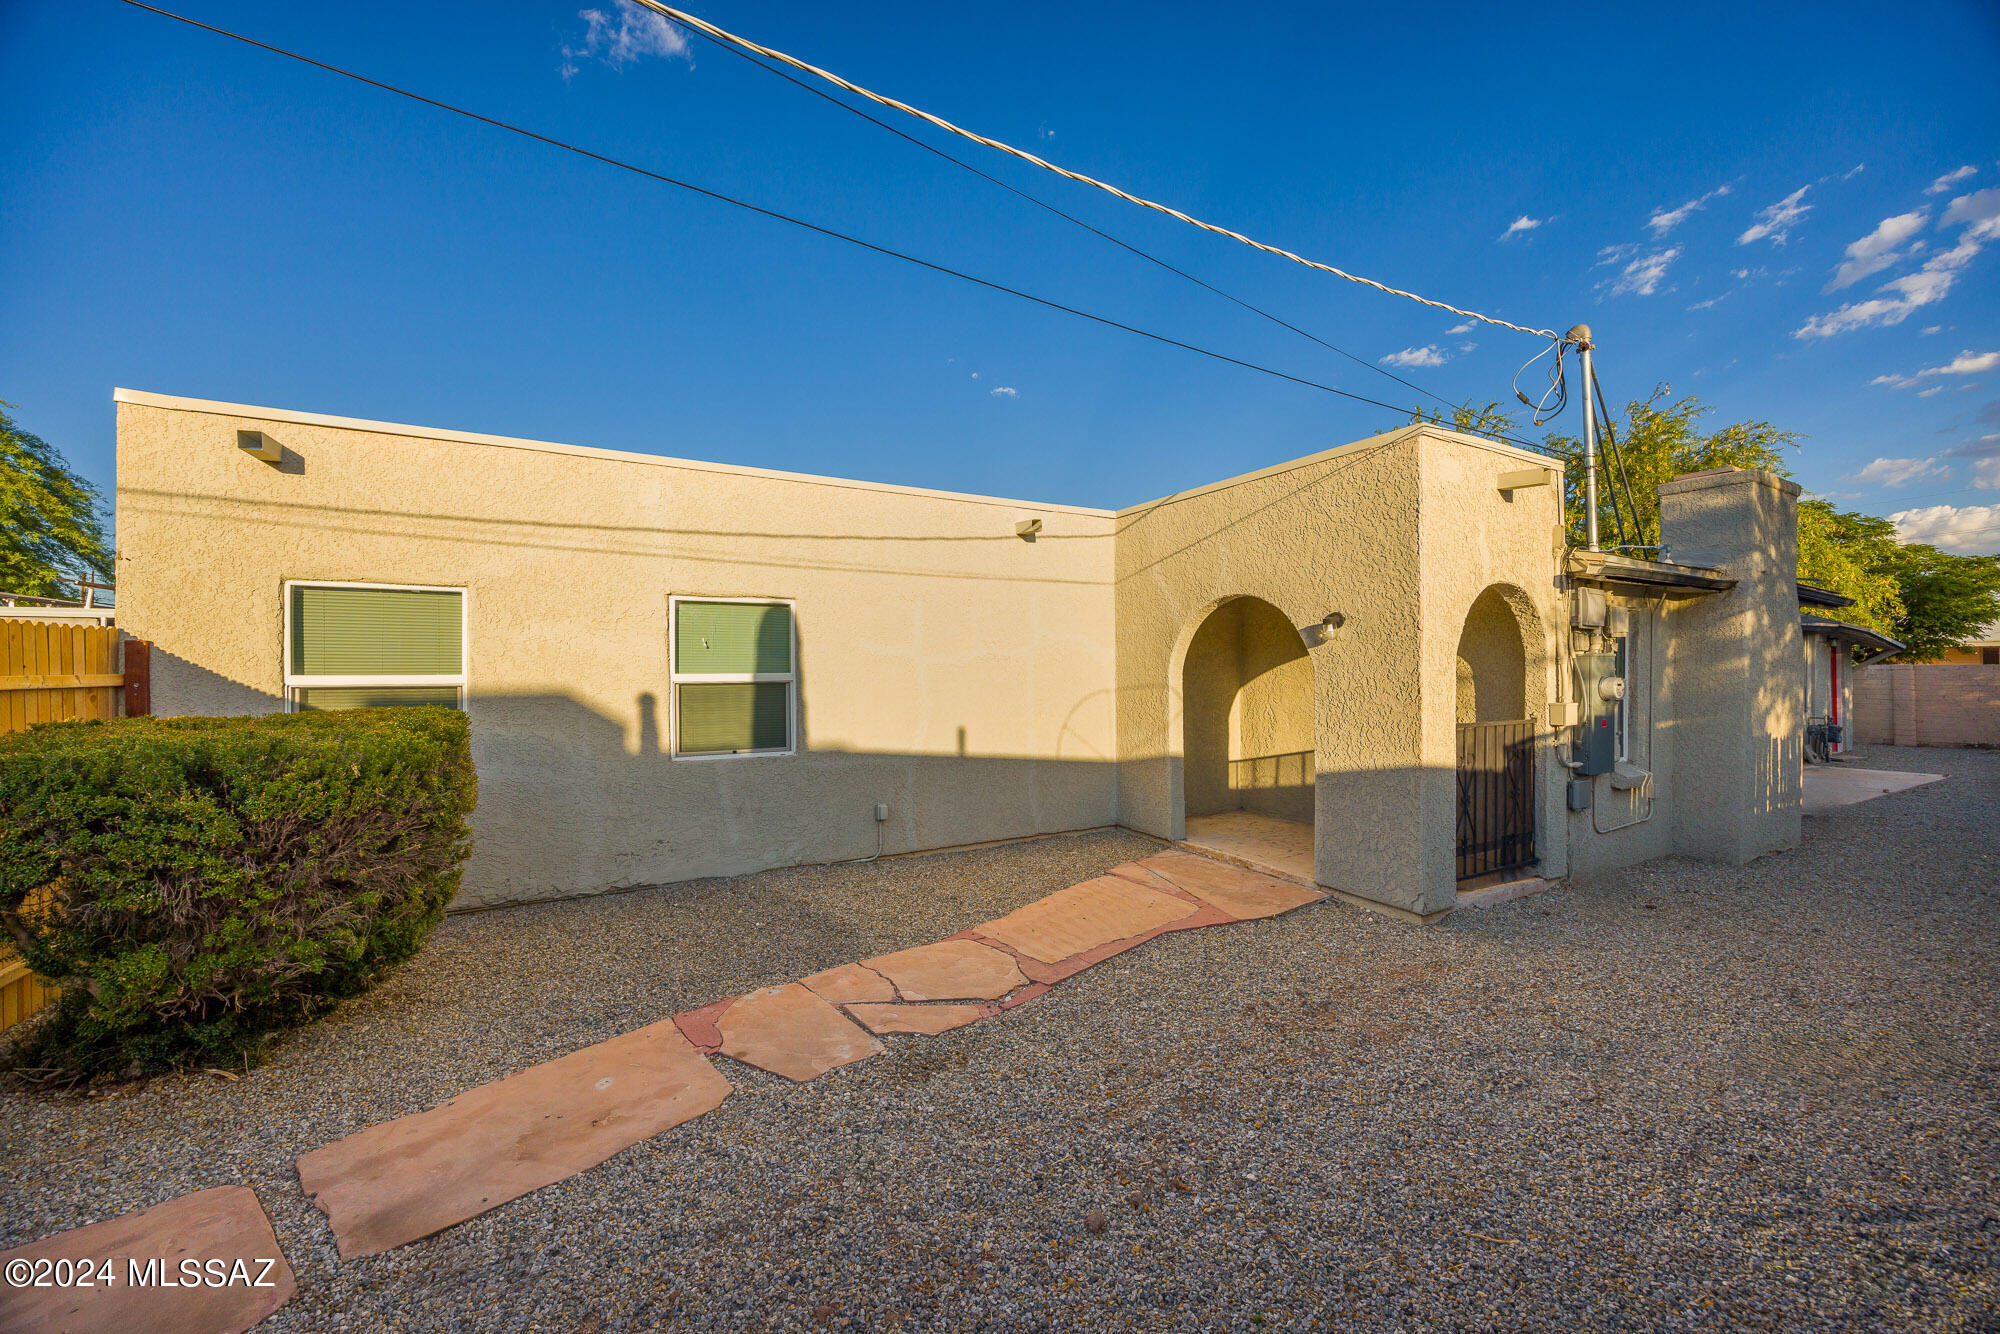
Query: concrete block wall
x,y
1927,704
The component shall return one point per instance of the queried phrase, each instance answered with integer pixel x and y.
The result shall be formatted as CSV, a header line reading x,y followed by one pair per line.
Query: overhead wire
x,y
773,213
1038,202
723,35
1617,458
1558,384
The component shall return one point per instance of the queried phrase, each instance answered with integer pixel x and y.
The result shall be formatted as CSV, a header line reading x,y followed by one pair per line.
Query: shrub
x,y
194,884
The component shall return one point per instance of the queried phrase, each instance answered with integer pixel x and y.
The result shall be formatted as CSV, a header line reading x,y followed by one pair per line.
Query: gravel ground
x,y
1681,1097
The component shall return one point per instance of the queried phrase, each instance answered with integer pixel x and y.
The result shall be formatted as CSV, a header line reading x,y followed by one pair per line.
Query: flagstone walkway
x,y
408,1178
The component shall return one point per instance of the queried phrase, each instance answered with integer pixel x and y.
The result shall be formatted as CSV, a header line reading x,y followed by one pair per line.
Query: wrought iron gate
x,y
1496,796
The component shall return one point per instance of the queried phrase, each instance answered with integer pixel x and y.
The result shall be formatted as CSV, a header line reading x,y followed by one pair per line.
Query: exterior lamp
x,y
1321,630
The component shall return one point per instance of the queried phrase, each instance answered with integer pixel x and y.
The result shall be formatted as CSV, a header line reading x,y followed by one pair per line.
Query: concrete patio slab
x,y
792,1032
1241,893
224,1224
1283,848
404,1179
949,970
1828,786
1084,917
850,982
1492,896
927,1019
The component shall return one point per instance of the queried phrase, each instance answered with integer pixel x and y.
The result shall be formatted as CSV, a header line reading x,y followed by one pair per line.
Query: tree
x,y
1657,443
50,528
1487,420
1852,555
1947,599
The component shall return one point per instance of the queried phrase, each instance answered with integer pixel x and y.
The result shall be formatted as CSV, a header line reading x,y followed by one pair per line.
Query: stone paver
x,y
1244,895
404,1179
1085,917
926,1019
224,1224
792,1032
850,982
949,970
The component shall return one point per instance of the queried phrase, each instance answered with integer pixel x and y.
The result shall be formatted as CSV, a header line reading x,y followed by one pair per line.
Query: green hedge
x,y
195,883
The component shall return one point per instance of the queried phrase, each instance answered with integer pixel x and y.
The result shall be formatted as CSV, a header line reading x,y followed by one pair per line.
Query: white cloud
x,y
1980,210
1931,392
1643,276
1775,223
1927,286
1965,363
1468,347
1986,474
1665,220
1859,167
1457,329
1970,530
1930,329
1427,355
1877,250
1900,472
1949,179
629,32
1524,223
1003,391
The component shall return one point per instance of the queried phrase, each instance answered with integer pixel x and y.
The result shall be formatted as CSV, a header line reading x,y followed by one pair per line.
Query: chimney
x,y
1736,665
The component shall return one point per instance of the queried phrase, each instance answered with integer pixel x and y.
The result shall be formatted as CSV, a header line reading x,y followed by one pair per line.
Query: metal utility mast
x,y
1579,337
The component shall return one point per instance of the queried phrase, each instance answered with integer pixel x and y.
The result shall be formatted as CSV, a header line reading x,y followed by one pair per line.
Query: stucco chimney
x,y
1735,665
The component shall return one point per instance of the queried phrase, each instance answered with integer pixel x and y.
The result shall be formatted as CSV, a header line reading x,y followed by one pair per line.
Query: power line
x,y
765,212
1041,203
722,35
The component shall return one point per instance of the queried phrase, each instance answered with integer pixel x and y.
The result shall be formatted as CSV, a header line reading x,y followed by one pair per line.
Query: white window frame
x,y
676,678
295,683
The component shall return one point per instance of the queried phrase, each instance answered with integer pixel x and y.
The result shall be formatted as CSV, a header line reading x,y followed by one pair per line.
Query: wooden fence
x,y
49,673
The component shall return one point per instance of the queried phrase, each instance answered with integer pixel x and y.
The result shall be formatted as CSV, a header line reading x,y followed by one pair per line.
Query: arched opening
x,y
1496,741
1248,775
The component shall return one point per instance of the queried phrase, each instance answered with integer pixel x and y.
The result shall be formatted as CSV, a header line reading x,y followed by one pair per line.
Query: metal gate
x,y
1496,796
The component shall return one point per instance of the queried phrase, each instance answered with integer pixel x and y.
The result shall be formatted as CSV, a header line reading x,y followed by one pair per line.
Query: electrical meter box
x,y
1597,730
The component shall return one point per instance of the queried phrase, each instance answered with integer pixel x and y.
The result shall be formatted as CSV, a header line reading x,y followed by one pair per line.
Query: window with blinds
x,y
351,646
734,678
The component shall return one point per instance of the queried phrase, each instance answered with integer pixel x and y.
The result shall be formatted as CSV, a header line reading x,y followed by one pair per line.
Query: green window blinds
x,y
376,632
734,716
750,642
375,697
732,638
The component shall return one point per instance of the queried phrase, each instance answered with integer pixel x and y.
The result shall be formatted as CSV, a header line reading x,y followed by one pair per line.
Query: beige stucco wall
x,y
1400,533
947,667
1735,679
1473,538
984,686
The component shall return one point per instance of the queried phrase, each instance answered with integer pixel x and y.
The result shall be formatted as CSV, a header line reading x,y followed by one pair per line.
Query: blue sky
x,y
1793,213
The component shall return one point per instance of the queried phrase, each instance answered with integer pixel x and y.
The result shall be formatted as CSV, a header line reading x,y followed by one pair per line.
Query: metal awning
x,y
1655,577
1859,636
1812,595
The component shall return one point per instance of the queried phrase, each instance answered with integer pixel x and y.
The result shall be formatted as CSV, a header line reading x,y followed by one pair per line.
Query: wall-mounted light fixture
x,y
1321,630
1027,528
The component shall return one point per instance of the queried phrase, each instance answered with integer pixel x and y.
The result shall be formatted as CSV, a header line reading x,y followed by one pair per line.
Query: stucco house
x,y
1383,656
